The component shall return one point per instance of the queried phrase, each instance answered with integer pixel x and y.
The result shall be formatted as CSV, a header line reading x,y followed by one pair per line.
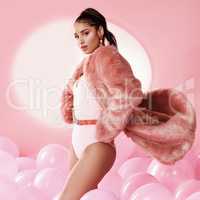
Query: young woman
x,y
99,100
90,159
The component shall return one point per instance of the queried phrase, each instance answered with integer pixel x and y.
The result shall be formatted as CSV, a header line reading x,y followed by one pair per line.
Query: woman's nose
x,y
81,40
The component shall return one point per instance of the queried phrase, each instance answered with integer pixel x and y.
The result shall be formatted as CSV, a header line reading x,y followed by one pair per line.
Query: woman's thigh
x,y
102,157
95,162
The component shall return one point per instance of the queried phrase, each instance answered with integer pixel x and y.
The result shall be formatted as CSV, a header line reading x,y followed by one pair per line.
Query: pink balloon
x,y
4,178
185,189
31,193
111,182
8,190
26,177
191,157
194,196
135,181
50,181
57,197
197,167
152,191
8,165
171,175
98,194
134,165
52,155
126,149
9,146
25,163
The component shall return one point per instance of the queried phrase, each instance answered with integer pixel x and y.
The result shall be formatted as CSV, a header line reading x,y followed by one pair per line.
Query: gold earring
x,y
101,41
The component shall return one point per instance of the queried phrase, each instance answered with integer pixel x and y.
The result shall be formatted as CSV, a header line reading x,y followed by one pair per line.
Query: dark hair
x,y
96,19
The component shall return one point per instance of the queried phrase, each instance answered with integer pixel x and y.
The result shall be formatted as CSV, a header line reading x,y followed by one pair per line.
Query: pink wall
x,y
169,31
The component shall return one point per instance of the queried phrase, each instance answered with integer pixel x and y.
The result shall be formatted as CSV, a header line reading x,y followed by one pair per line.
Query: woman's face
x,y
88,38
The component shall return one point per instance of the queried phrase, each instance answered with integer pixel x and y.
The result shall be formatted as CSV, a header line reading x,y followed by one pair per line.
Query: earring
x,y
101,42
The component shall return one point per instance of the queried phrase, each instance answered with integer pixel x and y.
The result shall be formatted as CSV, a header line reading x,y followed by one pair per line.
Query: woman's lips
x,y
83,47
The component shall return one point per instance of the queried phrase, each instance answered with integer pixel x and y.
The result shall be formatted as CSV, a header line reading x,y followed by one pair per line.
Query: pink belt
x,y
84,121
88,121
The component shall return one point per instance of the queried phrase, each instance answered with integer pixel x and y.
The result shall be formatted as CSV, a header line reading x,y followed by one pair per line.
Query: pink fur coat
x,y
162,122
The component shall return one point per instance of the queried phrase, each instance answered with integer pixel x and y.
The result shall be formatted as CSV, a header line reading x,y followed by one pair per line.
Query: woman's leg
x,y
96,161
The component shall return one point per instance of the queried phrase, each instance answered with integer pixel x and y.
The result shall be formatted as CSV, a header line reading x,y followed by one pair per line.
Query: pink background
x,y
168,30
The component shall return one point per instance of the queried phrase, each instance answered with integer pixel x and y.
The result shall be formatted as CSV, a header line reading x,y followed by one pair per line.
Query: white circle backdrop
x,y
47,58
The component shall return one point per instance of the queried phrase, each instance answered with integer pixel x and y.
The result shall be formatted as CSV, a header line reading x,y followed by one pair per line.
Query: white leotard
x,y
85,107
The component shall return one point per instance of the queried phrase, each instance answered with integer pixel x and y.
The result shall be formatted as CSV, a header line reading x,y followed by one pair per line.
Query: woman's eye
x,y
86,33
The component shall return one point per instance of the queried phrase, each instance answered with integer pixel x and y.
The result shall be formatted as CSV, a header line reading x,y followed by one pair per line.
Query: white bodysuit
x,y
85,107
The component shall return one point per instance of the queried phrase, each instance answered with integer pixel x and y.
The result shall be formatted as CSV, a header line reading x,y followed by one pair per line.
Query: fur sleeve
x,y
67,103
124,91
67,96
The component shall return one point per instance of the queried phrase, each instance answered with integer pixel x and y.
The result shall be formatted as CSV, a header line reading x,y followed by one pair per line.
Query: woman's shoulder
x,y
108,50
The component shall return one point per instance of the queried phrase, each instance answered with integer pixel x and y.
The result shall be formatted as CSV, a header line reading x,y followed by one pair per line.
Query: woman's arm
x,y
124,93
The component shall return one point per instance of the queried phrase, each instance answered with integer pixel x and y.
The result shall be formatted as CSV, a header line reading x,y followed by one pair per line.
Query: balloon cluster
x,y
29,178
134,175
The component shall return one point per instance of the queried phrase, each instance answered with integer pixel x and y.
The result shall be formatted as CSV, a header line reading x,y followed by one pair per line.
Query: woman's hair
x,y
96,19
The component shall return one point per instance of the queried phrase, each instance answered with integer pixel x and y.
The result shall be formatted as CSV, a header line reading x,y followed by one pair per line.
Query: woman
x,y
102,97
90,158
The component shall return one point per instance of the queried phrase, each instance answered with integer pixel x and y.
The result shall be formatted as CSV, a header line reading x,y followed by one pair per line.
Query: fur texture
x,y
162,122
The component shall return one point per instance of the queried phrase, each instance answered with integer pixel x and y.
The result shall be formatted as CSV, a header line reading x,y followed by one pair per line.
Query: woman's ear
x,y
100,32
